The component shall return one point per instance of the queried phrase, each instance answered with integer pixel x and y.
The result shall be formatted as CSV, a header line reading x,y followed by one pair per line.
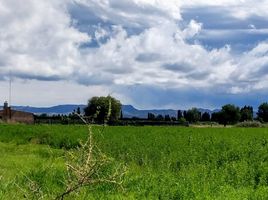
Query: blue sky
x,y
148,53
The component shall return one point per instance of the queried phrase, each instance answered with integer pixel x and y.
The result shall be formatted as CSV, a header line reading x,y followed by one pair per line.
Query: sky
x,y
148,53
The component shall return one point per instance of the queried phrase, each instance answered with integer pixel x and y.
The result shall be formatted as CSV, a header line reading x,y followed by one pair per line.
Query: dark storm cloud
x,y
36,77
182,66
191,97
148,57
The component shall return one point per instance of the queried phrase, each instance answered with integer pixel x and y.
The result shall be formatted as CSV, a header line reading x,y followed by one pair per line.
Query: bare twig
x,y
32,191
86,166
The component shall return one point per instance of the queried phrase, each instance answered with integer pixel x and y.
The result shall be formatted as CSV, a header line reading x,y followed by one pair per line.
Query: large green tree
x,y
216,117
151,116
193,115
229,114
103,109
263,112
246,113
179,114
205,117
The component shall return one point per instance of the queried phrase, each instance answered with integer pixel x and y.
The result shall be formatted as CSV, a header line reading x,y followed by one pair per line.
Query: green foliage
x,y
250,124
229,114
263,112
78,111
193,115
87,166
159,118
162,162
167,118
98,109
246,113
205,117
151,116
179,114
216,116
182,121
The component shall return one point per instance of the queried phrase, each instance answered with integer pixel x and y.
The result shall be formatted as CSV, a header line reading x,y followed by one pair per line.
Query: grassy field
x,y
162,162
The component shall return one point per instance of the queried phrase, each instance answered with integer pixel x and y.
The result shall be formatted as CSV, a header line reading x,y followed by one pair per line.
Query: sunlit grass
x,y
163,162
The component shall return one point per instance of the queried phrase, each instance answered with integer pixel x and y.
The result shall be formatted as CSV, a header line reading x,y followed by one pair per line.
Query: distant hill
x,y
128,110
60,109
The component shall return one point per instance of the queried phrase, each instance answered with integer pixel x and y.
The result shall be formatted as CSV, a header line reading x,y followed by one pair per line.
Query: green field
x,y
162,162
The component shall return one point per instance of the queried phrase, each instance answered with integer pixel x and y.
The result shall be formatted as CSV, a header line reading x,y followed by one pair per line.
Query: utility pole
x,y
10,88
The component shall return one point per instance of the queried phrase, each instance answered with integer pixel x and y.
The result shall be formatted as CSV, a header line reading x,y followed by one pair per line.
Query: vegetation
x,y
205,117
228,115
87,166
246,113
162,162
98,108
250,124
263,112
193,115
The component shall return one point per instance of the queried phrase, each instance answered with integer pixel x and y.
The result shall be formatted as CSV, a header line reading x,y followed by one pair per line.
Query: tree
x,y
173,119
205,117
179,114
215,117
182,121
121,114
246,113
185,114
167,118
193,115
230,114
98,109
151,116
78,111
159,118
263,112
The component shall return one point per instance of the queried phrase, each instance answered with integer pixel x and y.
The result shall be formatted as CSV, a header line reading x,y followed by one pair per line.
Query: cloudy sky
x,y
148,53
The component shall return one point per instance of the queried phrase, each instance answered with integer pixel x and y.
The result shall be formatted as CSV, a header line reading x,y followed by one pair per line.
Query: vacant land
x,y
162,162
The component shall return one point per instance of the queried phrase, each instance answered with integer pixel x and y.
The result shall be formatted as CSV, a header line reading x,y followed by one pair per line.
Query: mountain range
x,y
129,111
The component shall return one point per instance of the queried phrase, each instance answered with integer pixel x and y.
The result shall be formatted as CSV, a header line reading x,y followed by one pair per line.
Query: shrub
x,y
182,120
250,124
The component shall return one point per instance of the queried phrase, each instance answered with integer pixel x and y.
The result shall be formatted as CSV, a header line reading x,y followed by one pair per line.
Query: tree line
x,y
98,107
228,115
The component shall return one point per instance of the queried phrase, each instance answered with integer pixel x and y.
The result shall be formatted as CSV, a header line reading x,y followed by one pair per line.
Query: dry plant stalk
x,y
32,191
88,166
35,189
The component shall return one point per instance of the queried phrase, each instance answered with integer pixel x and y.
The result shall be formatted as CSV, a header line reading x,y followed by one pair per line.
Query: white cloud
x,y
158,56
193,3
193,29
253,67
134,13
38,41
43,93
241,9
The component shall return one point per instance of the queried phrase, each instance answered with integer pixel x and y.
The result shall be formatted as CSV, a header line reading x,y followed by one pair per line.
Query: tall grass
x,y
163,162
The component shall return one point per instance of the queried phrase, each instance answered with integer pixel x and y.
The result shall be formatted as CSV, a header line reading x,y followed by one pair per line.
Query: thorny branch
x,y
87,166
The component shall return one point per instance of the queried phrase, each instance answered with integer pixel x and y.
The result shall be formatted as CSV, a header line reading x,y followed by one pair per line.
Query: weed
x,y
88,166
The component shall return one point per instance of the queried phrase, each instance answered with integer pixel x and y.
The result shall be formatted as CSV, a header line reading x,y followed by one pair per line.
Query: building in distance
x,y
8,115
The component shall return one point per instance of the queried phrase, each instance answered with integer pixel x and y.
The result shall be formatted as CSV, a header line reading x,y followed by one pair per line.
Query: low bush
x,y
207,123
249,124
